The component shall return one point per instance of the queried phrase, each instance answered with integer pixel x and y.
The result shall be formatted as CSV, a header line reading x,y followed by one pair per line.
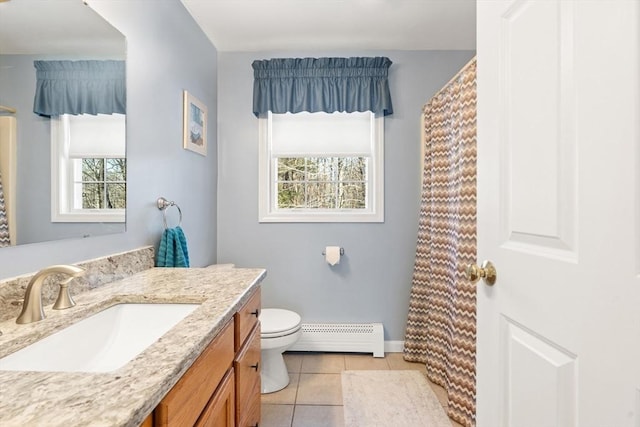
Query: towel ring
x,y
163,205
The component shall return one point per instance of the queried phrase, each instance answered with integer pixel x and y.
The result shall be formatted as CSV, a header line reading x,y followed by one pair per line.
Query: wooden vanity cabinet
x,y
222,387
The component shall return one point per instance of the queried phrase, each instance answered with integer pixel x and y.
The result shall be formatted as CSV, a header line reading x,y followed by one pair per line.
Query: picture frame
x,y
194,124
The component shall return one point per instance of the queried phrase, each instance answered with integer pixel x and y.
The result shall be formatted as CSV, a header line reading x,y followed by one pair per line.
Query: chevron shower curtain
x,y
4,223
441,326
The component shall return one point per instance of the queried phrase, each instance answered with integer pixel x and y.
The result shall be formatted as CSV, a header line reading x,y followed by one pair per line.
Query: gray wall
x,y
167,53
373,280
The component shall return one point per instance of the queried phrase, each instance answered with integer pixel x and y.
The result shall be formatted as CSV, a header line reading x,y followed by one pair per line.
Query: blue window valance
x,y
321,84
80,87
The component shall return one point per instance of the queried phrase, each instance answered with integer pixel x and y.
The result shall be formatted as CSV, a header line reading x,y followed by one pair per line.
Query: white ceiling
x,y
56,27
36,26
286,25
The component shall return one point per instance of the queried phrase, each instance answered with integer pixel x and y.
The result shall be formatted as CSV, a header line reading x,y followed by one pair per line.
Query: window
x,y
321,167
88,168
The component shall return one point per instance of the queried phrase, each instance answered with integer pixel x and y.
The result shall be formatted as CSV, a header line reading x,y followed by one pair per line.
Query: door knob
x,y
487,272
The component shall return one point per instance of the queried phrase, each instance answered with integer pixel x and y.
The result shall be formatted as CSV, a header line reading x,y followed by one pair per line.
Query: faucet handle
x,y
64,297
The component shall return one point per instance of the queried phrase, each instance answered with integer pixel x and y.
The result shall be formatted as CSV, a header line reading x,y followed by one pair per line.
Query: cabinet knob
x,y
255,312
256,366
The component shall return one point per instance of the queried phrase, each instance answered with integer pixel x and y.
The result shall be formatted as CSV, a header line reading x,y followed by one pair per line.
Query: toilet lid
x,y
278,322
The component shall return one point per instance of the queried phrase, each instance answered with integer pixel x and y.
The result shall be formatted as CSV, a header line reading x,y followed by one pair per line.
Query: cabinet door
x,y
247,367
220,411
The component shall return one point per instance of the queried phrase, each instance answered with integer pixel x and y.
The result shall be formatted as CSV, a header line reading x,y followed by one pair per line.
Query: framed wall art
x,y
194,124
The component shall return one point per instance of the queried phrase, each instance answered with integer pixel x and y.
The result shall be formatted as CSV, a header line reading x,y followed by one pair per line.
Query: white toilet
x,y
279,330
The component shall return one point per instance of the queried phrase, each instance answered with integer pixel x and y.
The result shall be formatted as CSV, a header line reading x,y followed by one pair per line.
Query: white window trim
x,y
62,186
267,211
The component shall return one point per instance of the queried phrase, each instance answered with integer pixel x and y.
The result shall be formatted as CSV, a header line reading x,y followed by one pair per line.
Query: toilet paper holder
x,y
341,252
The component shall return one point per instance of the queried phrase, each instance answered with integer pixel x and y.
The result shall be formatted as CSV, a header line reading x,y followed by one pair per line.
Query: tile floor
x,y
313,397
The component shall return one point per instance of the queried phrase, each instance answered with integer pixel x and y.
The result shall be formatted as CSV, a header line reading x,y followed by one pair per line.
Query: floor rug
x,y
390,399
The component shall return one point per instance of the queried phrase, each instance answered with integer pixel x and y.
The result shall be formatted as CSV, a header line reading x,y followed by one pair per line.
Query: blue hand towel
x,y
173,249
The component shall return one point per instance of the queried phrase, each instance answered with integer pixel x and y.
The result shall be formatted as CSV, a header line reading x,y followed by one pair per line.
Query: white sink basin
x,y
103,342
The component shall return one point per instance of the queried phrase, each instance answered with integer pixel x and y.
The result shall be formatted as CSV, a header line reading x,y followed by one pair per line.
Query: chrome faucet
x,y
32,308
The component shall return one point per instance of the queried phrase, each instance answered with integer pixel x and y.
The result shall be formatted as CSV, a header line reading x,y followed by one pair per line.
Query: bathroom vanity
x,y
204,369
222,387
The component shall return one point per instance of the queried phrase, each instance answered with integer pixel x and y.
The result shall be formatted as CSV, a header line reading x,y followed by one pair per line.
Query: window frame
x,y
62,183
267,183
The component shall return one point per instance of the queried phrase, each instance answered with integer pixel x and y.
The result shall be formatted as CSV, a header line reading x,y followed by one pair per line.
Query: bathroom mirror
x,y
52,30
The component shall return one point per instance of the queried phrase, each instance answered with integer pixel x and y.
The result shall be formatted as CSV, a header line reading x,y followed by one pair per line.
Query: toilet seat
x,y
276,322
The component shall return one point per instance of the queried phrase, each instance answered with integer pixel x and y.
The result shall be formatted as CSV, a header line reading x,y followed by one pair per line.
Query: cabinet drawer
x,y
247,367
220,411
246,318
186,400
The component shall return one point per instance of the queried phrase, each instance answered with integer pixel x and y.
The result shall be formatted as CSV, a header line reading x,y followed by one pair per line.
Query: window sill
x,y
92,216
306,216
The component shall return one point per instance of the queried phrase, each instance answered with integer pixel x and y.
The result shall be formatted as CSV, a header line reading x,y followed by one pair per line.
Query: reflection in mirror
x,y
90,186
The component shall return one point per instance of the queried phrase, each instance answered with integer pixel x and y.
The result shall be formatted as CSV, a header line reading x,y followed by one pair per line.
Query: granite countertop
x,y
126,396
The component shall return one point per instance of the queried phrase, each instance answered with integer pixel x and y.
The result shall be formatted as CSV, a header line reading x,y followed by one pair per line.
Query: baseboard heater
x,y
342,337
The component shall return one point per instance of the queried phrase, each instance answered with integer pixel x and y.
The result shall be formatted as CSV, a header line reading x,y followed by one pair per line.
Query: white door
x,y
559,213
